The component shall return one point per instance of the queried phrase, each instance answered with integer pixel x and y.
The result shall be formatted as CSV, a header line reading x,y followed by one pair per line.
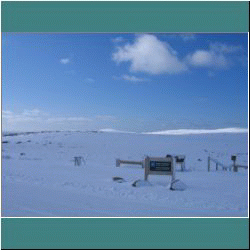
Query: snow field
x,y
39,177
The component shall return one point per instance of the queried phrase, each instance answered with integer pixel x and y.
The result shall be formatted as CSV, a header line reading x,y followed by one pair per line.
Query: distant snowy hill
x,y
198,131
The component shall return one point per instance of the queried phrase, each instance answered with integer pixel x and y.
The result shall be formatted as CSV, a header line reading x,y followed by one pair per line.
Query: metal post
x,y
208,167
233,158
173,176
146,168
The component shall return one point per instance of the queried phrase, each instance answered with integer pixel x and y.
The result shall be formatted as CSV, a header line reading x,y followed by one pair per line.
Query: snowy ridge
x,y
110,130
198,131
164,132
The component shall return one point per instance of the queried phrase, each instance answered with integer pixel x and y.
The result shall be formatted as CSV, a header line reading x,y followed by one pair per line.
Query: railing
x,y
224,168
240,166
218,164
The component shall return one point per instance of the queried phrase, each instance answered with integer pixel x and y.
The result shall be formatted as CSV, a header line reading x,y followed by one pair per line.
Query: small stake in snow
x,y
208,165
78,160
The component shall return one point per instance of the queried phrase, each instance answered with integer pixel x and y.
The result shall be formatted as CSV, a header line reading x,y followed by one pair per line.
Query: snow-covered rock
x,y
178,185
141,183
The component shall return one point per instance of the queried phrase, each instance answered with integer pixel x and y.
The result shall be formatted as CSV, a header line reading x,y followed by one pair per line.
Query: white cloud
x,y
64,60
89,80
150,55
130,78
7,114
34,113
203,58
118,39
224,48
217,56
68,119
26,115
36,120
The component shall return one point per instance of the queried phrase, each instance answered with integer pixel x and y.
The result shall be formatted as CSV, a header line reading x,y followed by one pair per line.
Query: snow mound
x,y
141,183
118,179
178,185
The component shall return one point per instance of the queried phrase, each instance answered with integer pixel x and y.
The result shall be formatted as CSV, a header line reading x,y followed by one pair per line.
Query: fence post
x,y
233,158
208,166
78,160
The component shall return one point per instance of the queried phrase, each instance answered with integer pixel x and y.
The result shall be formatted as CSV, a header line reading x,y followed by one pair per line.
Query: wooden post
x,y
208,166
182,166
117,162
173,175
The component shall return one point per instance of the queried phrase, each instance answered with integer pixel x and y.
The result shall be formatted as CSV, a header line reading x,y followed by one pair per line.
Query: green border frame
x,y
140,233
125,16
144,233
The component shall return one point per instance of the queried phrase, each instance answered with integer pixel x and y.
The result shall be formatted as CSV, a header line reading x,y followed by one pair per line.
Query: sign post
x,y
180,159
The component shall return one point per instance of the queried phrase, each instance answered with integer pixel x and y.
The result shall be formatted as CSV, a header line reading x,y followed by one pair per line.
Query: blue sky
x,y
131,82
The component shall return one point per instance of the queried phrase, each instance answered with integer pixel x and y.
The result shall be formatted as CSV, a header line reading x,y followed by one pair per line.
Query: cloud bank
x,y
36,120
150,55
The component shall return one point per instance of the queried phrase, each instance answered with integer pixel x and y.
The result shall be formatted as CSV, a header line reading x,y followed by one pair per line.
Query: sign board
x,y
158,166
233,157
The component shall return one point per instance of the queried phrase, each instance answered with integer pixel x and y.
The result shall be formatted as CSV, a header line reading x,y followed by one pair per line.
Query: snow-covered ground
x,y
39,177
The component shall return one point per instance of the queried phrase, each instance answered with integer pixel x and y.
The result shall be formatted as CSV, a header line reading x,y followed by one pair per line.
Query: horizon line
x,y
160,132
